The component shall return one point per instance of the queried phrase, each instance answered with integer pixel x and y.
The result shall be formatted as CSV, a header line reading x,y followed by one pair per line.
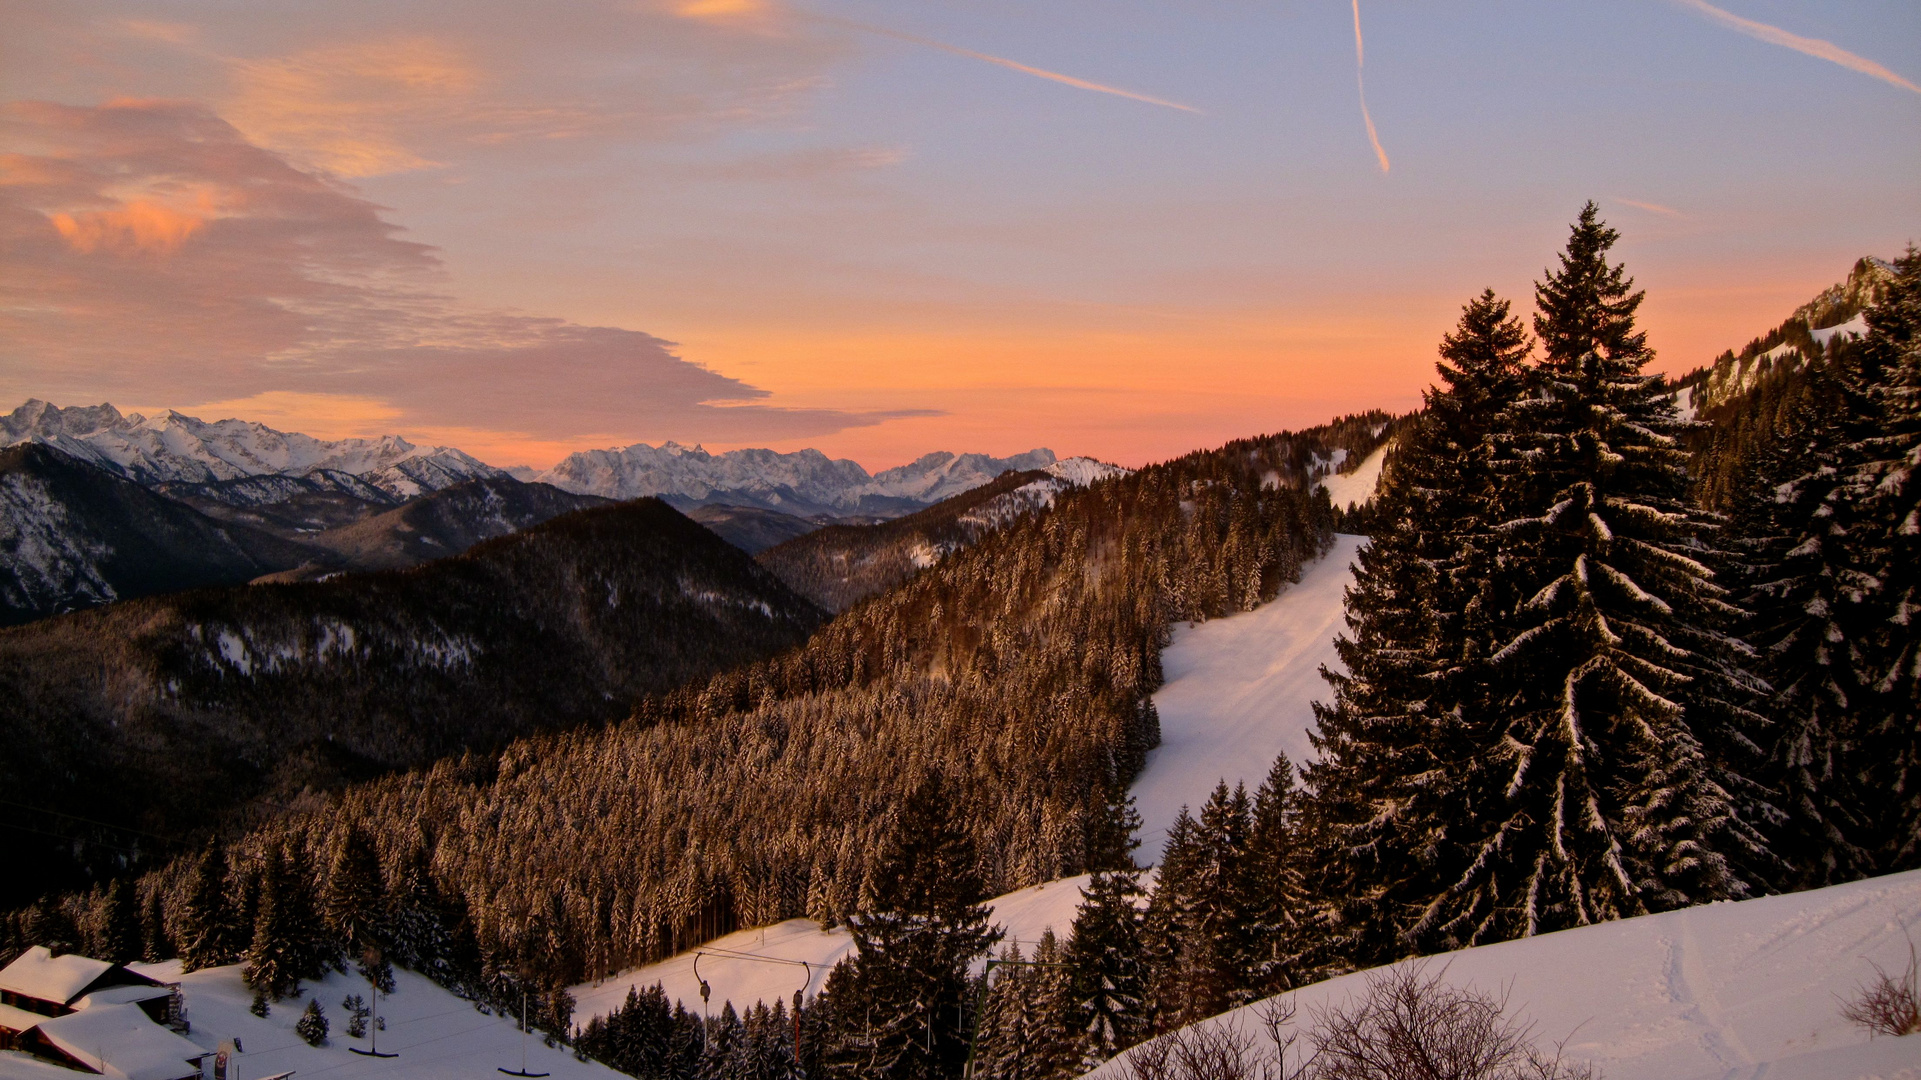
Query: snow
x,y
1730,991
1240,690
1348,489
1684,404
1855,327
123,1042
1085,471
437,1035
175,447
805,481
1024,915
40,975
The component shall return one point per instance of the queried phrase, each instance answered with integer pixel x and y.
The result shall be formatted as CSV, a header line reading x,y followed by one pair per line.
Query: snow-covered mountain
x,y
804,482
73,536
175,448
1813,329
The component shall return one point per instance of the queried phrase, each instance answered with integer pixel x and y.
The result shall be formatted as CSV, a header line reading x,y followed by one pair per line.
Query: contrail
x,y
1652,208
1359,62
1043,73
1774,35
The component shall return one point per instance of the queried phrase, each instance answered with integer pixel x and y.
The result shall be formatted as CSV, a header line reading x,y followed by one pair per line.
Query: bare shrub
x,y
1220,1051
1413,1026
1888,1005
1409,1026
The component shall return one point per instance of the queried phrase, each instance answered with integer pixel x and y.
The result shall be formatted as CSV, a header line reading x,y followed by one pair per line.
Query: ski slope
x,y
1726,991
1023,915
1346,490
1239,691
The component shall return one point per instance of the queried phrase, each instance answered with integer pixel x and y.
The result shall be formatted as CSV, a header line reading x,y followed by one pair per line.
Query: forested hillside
x,y
1019,669
1749,399
837,565
442,523
154,716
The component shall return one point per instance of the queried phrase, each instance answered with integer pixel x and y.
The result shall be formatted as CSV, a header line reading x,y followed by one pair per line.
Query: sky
x,y
1109,227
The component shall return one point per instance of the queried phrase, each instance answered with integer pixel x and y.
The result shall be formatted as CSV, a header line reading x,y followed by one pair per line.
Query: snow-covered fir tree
x,y
1621,712
900,1002
1105,956
289,942
1395,780
1803,581
355,901
1271,877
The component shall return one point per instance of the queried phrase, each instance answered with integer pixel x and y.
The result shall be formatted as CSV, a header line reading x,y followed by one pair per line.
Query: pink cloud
x,y
149,251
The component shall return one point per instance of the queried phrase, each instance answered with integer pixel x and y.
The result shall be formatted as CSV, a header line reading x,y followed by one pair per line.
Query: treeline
x,y
133,731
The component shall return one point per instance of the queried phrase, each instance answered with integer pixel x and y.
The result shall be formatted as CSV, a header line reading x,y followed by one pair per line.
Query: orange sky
x,y
1113,228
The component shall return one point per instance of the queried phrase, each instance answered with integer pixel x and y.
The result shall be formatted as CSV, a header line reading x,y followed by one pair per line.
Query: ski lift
x,y
800,995
373,1029
522,1071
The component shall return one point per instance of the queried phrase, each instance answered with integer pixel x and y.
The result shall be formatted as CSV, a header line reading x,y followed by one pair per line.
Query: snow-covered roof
x,y
121,995
43,976
15,1065
12,1019
120,1041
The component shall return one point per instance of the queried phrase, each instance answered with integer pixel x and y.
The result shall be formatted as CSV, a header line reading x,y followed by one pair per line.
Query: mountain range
x,y
104,505
218,459
802,483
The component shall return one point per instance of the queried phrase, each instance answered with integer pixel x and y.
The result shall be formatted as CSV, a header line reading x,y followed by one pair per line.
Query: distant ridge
x,y
803,483
177,448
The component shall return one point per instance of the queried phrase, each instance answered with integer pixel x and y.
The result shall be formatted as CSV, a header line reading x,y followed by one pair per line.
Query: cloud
x,y
141,227
1815,47
344,107
1367,118
1055,76
720,9
152,253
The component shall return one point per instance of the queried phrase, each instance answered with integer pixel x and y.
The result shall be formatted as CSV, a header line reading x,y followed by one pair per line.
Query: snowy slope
x,y
437,1035
1726,991
1024,915
1351,488
804,482
1084,471
176,448
1240,690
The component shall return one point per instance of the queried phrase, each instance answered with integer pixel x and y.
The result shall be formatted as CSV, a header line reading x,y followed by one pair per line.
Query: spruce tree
x,y
1104,955
312,1025
121,940
1803,581
207,929
1273,884
355,898
289,943
1622,718
1395,783
900,1002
